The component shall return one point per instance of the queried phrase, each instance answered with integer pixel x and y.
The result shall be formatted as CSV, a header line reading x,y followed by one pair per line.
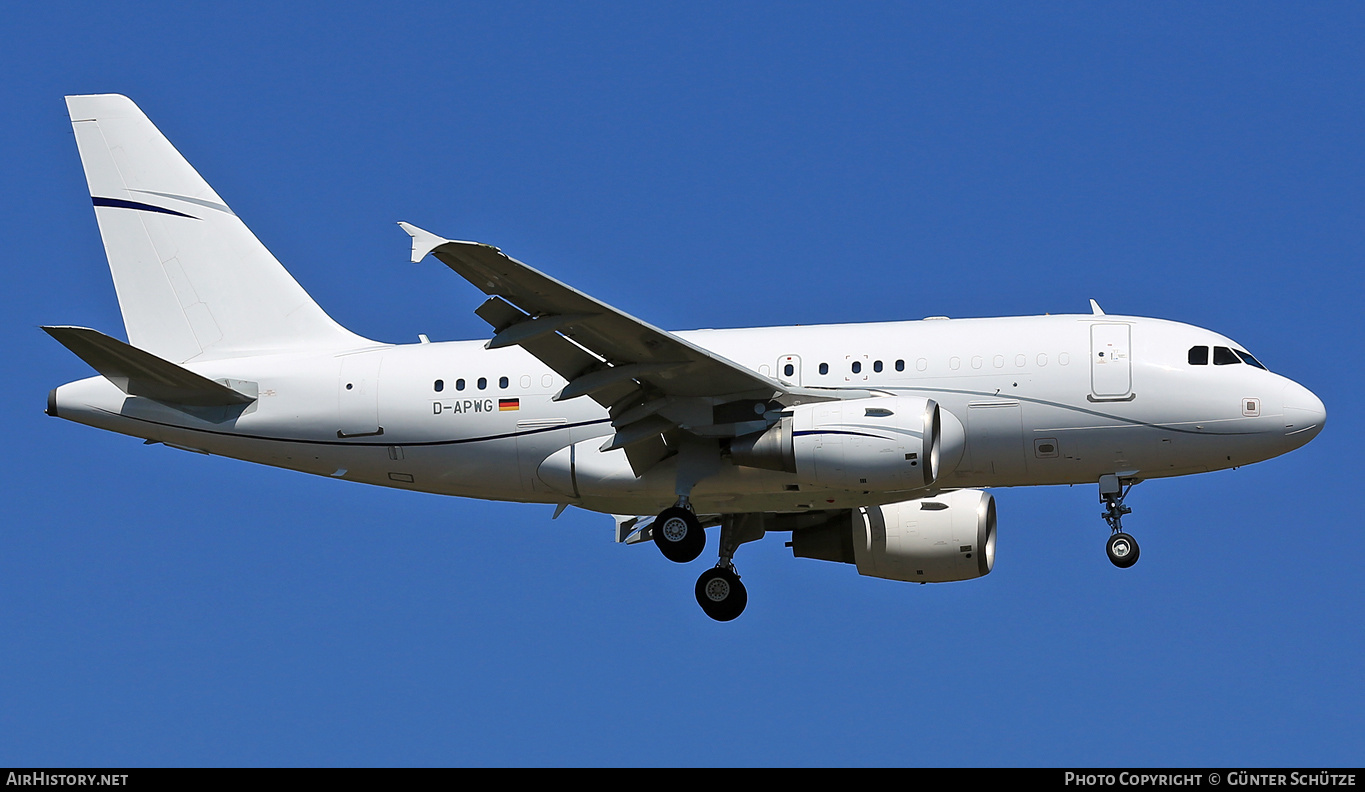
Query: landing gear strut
x,y
677,531
1122,549
680,537
719,592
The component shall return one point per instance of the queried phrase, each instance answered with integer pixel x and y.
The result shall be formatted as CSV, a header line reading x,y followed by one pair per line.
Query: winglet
x,y
1095,308
423,242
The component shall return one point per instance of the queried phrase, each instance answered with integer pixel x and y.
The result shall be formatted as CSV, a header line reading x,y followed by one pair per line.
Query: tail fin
x,y
192,280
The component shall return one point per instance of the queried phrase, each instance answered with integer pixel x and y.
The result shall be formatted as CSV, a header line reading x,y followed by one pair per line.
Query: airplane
x,y
869,444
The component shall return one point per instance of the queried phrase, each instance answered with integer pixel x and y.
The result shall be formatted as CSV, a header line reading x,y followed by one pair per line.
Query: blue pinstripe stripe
x,y
119,203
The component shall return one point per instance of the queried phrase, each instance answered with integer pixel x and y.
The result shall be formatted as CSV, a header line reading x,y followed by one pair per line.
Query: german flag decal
x,y
508,404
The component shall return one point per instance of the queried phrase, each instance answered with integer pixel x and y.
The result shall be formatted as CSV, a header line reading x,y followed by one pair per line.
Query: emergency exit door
x,y
1111,366
358,395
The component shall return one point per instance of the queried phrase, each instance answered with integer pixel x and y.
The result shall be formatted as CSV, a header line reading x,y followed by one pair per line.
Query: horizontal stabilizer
x,y
139,373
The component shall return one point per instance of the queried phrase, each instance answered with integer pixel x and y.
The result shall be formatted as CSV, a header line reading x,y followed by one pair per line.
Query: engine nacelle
x,y
933,540
882,443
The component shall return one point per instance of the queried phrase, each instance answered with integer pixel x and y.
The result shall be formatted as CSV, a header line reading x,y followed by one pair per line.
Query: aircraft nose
x,y
1304,413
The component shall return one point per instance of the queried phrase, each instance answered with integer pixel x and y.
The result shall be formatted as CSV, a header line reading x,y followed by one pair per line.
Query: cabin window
x,y
1199,356
459,384
788,370
900,365
483,383
824,368
877,366
502,383
439,386
857,367
1222,356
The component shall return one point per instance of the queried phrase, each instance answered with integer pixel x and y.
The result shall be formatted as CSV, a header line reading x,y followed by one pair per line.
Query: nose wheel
x,y
1122,549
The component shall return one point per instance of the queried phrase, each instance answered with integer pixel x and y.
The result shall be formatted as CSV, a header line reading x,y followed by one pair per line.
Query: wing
x,y
652,382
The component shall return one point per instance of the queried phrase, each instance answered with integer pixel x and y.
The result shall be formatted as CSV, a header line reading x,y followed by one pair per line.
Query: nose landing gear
x,y
1122,549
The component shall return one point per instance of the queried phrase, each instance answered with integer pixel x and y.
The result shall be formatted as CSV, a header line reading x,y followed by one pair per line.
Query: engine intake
x,y
933,540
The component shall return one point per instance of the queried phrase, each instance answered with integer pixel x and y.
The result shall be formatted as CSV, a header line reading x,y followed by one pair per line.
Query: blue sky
x,y
698,165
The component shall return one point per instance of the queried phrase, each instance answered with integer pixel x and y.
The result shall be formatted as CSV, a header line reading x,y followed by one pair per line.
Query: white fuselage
x,y
1042,400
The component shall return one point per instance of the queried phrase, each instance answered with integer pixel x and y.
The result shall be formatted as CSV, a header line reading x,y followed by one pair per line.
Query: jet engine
x,y
932,540
881,443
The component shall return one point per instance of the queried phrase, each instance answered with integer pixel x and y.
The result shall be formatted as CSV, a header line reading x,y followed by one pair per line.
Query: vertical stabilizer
x,y
192,280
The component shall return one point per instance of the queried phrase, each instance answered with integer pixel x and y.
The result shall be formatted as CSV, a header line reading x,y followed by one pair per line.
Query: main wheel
x,y
679,534
1123,550
720,594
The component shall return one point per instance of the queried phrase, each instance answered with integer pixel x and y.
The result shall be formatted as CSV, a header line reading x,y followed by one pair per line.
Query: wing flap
x,y
563,356
654,383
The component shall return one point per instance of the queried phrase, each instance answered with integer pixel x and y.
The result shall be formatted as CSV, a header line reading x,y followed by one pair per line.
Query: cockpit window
x,y
1222,356
1249,360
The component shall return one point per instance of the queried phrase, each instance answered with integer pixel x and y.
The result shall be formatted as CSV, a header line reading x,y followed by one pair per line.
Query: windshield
x,y
1223,356
1249,360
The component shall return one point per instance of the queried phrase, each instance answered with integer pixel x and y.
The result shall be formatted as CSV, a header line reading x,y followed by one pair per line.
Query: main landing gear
x,y
678,534
720,594
1122,549
681,538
